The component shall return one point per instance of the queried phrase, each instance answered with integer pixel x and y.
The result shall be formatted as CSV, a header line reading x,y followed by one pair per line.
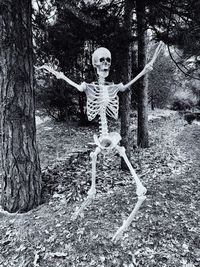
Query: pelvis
x,y
107,141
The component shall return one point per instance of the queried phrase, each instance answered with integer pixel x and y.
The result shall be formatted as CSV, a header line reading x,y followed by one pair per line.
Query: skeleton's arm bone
x,y
134,80
60,75
147,68
157,52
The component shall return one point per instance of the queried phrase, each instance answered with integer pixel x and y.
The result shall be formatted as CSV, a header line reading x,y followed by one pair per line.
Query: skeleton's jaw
x,y
102,72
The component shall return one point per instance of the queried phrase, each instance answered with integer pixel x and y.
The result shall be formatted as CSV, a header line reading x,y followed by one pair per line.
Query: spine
x,y
103,126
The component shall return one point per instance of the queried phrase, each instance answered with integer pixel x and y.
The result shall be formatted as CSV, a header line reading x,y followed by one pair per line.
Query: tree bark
x,y
142,135
125,101
21,186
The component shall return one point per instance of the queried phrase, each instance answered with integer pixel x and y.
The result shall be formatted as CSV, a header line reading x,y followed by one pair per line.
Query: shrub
x,y
54,96
183,100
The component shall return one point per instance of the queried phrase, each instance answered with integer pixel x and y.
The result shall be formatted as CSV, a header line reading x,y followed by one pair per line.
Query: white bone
x,y
93,155
102,100
128,221
147,68
60,75
140,189
108,141
157,51
92,191
101,61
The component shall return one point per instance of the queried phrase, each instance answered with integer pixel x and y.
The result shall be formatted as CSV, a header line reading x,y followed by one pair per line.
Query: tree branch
x,y
81,16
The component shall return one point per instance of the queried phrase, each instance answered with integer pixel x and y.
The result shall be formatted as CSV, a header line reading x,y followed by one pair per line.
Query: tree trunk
x,y
125,101
152,101
21,187
142,136
83,116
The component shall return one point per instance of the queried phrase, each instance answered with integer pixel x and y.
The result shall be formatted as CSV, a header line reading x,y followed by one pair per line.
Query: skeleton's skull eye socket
x,y
103,59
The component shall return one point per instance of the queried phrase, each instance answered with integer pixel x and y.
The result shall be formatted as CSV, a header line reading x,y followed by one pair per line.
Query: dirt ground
x,y
164,233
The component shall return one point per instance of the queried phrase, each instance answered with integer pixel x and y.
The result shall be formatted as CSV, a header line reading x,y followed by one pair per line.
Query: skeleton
x,y
102,100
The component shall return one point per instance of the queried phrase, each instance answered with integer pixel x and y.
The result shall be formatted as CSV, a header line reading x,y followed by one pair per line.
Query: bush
x,y
183,100
56,98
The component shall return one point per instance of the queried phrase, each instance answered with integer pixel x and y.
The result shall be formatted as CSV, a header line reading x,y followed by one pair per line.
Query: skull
x,y
101,60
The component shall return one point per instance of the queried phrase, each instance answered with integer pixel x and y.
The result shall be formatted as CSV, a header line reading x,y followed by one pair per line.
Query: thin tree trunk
x,y
142,136
125,101
152,101
21,187
83,117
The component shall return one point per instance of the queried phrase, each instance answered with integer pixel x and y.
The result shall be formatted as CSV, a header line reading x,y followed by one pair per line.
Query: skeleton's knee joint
x,y
141,191
121,150
94,154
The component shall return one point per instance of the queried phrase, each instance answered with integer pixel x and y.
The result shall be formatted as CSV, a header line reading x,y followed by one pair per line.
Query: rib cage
x,y
102,97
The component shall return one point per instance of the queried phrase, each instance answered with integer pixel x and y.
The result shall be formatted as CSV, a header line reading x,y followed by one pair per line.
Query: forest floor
x,y
165,231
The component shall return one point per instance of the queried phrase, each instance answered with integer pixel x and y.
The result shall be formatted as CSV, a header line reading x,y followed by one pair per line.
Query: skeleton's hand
x,y
59,75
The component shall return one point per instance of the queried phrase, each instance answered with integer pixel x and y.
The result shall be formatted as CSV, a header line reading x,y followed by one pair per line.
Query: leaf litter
x,y
164,233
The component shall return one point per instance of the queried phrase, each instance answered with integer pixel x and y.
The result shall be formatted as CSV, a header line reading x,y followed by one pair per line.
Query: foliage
x,y
59,44
56,98
70,41
162,81
183,99
177,24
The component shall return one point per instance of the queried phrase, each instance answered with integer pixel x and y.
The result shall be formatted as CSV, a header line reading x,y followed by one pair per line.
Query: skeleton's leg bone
x,y
128,221
93,155
141,191
92,191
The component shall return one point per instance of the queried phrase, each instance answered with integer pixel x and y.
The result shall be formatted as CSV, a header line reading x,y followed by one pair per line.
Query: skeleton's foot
x,y
81,209
87,201
75,215
118,234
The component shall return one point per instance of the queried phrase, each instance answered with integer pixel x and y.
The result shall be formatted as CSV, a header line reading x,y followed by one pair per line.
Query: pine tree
x,y
21,187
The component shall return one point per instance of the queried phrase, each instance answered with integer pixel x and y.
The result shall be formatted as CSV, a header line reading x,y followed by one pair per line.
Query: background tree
x,y
71,40
21,187
79,23
162,81
126,57
142,86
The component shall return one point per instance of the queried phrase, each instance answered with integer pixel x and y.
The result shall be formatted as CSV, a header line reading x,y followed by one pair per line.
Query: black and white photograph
x,y
100,133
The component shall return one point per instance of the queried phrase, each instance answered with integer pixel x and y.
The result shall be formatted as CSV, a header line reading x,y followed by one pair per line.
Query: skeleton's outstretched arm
x,y
60,75
147,68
